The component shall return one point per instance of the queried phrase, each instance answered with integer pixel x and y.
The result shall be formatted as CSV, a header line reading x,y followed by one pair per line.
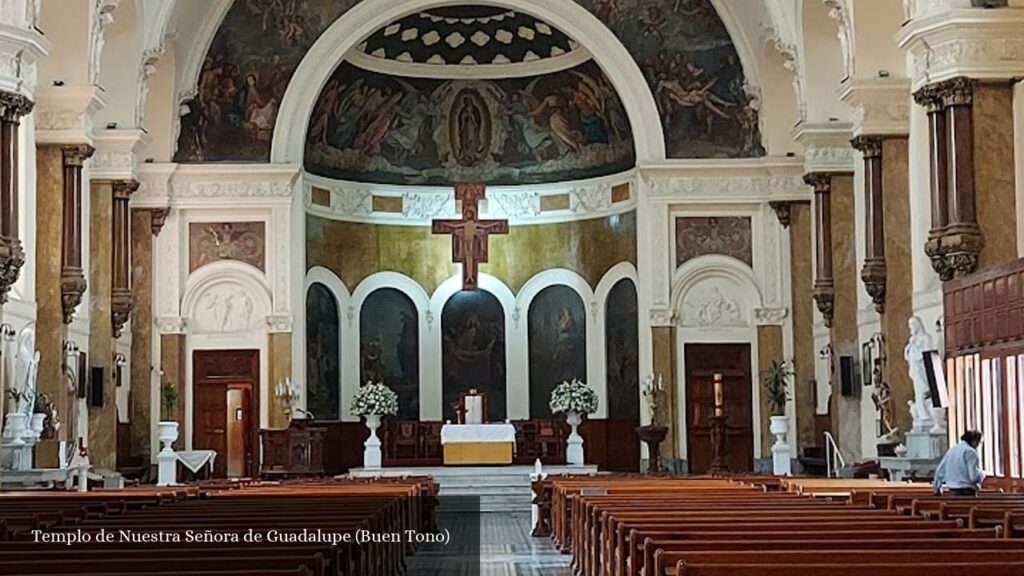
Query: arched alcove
x,y
389,347
622,351
323,353
557,343
473,351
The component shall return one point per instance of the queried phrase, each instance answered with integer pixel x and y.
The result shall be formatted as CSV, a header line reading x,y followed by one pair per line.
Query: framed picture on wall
x,y
866,362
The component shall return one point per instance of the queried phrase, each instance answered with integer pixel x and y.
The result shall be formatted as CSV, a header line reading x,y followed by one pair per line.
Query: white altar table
x,y
467,444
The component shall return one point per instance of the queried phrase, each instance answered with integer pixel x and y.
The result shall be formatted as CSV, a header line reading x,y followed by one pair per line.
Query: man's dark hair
x,y
971,437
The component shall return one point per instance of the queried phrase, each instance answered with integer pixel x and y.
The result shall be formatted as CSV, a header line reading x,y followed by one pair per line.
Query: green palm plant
x,y
168,398
776,385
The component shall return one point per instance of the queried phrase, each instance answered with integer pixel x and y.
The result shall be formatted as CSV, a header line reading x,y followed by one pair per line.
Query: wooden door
x,y
733,362
225,409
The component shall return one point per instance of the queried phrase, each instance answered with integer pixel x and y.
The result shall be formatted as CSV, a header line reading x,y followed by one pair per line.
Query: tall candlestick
x,y
719,397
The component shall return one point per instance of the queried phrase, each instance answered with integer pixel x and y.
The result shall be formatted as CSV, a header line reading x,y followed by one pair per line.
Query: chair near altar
x,y
473,441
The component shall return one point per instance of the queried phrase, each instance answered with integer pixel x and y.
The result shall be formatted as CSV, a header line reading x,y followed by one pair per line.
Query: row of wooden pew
x,y
213,529
665,526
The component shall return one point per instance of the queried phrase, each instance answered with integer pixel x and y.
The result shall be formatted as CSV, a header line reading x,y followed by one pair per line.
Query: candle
x,y
719,398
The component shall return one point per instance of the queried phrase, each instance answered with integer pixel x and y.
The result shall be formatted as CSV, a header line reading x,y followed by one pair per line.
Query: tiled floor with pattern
x,y
506,548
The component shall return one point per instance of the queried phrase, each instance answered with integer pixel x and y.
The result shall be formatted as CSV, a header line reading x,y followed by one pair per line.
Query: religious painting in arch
x,y
389,347
323,353
622,352
557,344
565,125
473,351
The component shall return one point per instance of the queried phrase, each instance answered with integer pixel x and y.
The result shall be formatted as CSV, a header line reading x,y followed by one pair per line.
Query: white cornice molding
x,y
116,156
209,185
154,186
827,147
469,71
727,182
21,48
980,44
584,199
64,114
881,106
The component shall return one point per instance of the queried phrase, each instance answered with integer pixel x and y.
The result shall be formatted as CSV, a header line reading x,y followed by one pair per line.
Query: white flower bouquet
x,y
573,397
375,399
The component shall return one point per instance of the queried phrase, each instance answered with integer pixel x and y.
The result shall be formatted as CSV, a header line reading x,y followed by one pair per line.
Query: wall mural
x,y
727,235
212,241
682,46
692,67
323,351
389,349
473,351
557,344
563,126
622,355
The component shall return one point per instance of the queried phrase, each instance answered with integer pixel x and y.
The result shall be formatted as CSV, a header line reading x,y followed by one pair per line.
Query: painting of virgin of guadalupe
x,y
389,347
473,351
557,344
323,354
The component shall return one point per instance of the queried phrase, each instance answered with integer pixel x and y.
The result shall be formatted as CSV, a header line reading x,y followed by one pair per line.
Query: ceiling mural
x,y
682,47
563,126
691,66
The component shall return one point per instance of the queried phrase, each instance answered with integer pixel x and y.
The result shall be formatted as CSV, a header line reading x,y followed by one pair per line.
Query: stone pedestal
x,y
167,468
924,452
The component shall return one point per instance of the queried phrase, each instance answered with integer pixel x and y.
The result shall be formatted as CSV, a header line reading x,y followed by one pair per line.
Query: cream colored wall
x,y
119,70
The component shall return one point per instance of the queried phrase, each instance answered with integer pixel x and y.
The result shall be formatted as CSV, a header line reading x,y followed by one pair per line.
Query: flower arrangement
x,y
573,397
375,399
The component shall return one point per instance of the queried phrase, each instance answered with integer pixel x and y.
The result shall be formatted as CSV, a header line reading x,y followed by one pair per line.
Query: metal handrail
x,y
833,456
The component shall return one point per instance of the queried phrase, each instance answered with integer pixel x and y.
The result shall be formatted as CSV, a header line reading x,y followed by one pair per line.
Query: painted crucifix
x,y
470,234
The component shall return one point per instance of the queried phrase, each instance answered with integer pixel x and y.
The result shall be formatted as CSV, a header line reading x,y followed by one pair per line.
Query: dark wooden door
x,y
733,362
225,408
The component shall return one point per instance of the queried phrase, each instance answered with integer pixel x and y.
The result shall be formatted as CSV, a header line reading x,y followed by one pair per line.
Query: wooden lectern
x,y
471,408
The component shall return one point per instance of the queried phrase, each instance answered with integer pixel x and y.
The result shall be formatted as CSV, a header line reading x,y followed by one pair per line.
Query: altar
x,y
475,444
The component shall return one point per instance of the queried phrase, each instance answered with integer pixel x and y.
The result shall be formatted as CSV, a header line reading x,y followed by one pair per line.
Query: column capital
x,y
869,146
881,106
159,216
953,40
13,106
820,181
123,189
783,211
957,91
826,147
76,154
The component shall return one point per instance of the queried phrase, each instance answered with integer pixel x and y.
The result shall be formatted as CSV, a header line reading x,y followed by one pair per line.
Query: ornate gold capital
x,y
957,92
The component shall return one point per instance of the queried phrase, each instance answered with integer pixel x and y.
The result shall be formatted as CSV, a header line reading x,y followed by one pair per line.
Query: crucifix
x,y
469,235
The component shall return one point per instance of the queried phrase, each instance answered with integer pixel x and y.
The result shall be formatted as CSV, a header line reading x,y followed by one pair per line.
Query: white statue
x,y
26,371
919,343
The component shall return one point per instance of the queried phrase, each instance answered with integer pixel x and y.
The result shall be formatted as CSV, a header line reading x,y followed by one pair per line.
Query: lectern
x,y
472,408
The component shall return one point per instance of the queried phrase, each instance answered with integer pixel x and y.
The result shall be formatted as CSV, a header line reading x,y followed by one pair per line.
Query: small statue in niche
x,y
882,397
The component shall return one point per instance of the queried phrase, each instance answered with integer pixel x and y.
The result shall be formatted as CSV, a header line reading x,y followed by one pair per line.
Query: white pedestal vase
x,y
371,448
15,429
167,460
574,446
782,456
36,424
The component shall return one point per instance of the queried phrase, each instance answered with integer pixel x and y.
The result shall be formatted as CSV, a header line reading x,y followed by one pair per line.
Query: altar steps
x,y
499,488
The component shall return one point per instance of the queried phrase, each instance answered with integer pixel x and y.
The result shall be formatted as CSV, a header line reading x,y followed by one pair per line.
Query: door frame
x,y
252,382
743,336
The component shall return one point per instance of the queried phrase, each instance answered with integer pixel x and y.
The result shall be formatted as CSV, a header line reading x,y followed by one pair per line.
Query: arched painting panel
x,y
323,353
473,351
622,341
557,344
389,347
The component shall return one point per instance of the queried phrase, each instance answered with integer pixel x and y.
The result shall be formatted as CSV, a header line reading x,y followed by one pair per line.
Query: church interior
x,y
589,287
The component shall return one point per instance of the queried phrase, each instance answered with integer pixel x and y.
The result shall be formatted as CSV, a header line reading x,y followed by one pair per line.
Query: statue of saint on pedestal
x,y
918,345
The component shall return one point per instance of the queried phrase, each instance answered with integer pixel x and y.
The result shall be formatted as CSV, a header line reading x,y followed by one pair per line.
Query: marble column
x,y
172,362
280,351
769,348
72,278
938,158
823,280
873,272
962,242
994,176
121,288
12,257
663,344
799,217
142,362
50,327
103,418
844,338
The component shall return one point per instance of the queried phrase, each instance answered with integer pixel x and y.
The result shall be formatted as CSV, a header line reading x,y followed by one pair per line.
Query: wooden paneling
x,y
985,309
214,372
733,362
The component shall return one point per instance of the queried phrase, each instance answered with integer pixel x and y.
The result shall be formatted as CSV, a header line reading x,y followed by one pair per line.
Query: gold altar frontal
x,y
475,453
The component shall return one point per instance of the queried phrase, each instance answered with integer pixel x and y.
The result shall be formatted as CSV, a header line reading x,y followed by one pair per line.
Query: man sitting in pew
x,y
960,468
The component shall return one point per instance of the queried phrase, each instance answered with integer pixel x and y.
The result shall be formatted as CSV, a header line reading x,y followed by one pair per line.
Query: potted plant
x,y
168,429
576,400
776,390
373,401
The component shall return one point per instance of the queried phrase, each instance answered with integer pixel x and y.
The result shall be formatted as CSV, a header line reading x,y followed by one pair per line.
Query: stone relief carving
x,y
590,198
791,62
282,251
102,16
352,201
231,189
659,258
513,204
427,206
728,235
224,308
770,315
712,307
147,68
280,322
170,324
212,241
731,187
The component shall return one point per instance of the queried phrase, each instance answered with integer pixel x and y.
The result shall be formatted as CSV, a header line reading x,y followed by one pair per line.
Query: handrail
x,y
833,456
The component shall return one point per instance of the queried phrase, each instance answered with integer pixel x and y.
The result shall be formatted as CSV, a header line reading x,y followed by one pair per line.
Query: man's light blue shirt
x,y
960,468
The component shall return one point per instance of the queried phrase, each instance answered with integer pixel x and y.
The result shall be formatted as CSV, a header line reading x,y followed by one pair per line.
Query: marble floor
x,y
489,544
